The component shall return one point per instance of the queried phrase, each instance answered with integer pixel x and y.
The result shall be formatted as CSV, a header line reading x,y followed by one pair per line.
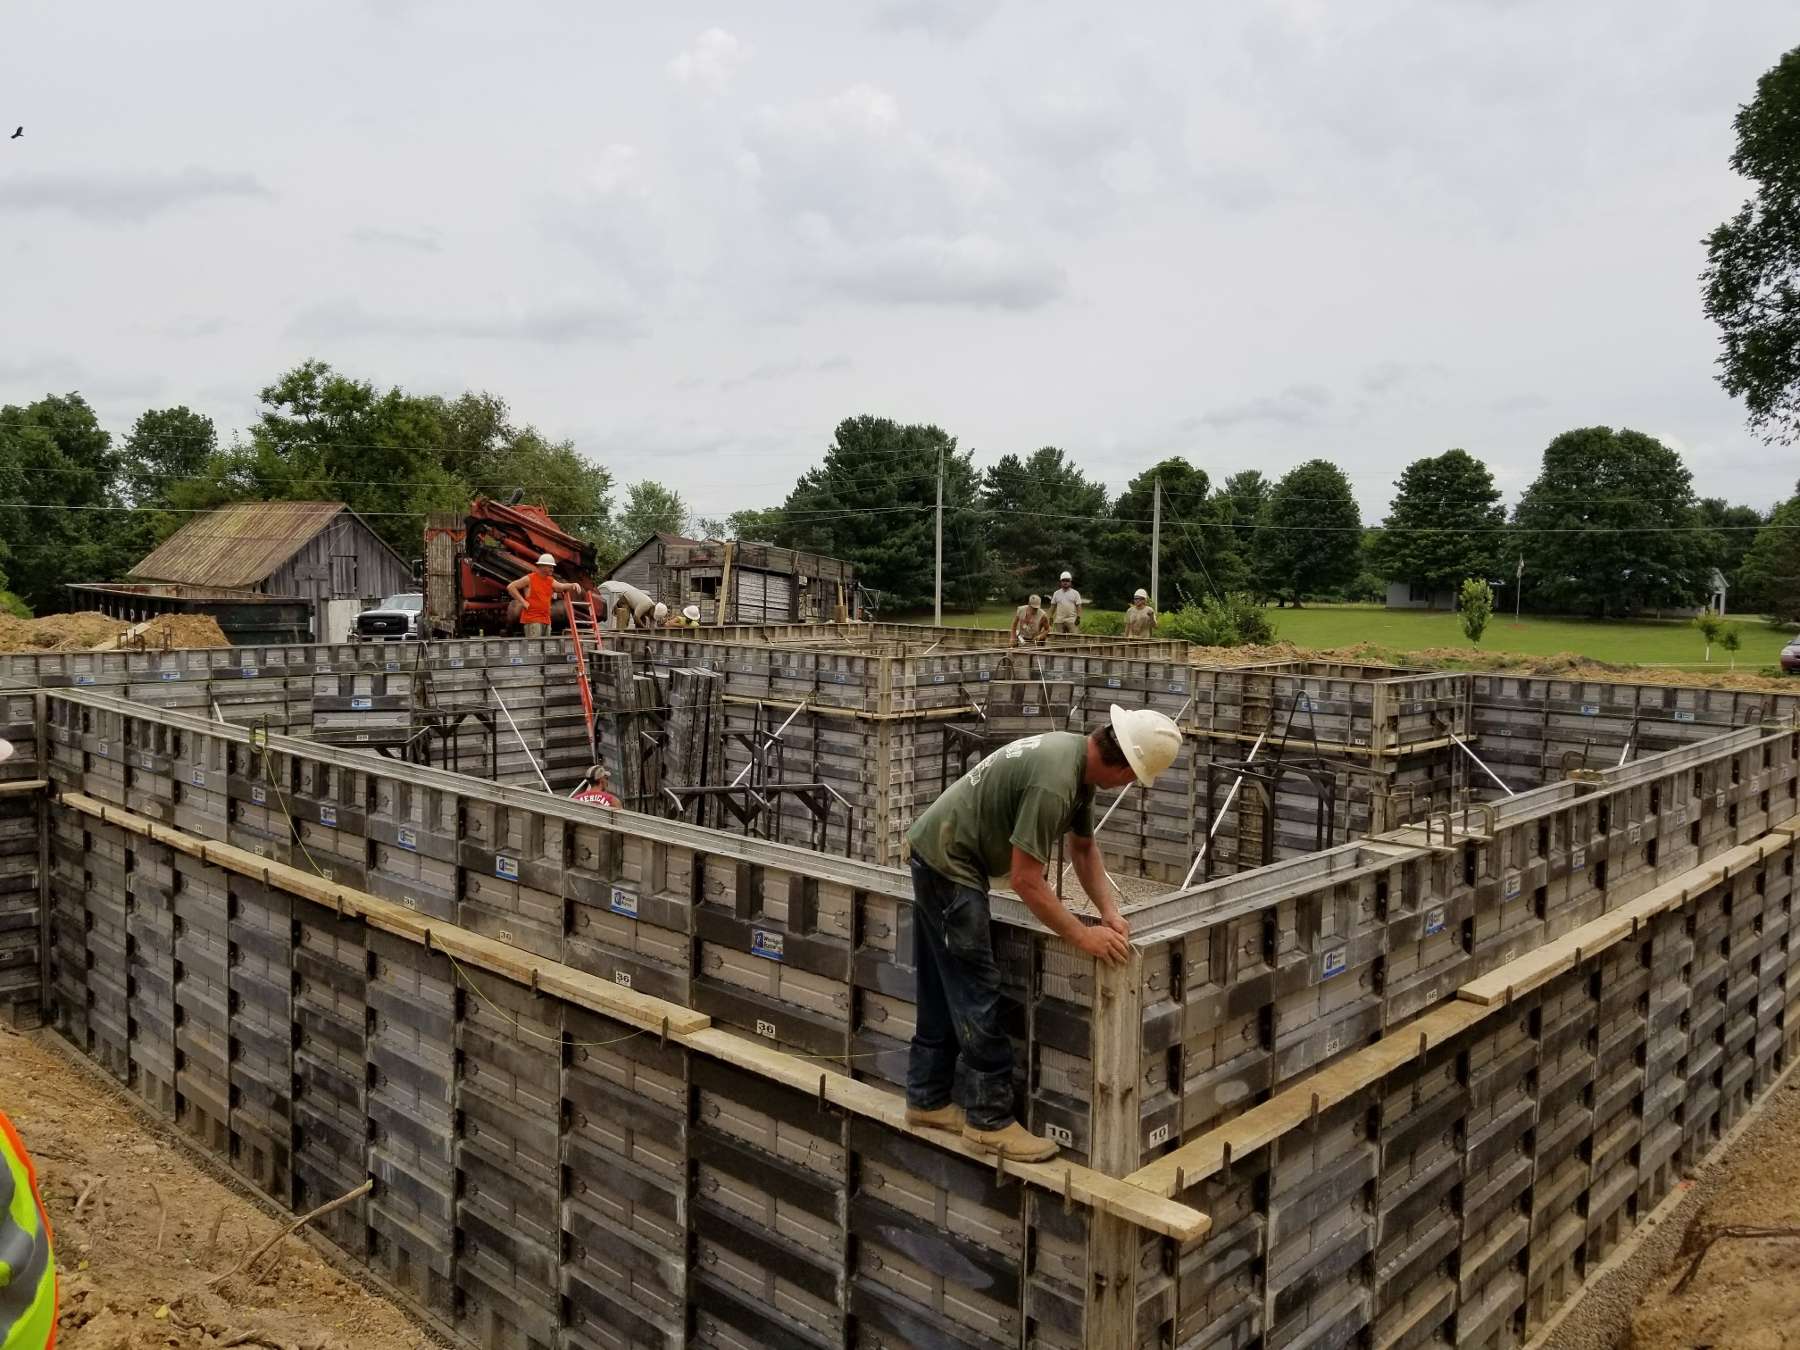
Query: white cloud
x,y
971,269
558,325
710,62
1298,405
418,241
953,19
125,197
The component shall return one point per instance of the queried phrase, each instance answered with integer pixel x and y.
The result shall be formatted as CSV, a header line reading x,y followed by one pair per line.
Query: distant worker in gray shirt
x,y
1065,606
1140,619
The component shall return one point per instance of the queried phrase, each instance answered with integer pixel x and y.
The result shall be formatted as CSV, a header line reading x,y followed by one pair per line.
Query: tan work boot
x,y
948,1117
1013,1141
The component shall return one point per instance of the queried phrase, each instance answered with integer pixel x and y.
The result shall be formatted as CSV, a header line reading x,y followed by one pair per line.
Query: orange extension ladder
x,y
581,665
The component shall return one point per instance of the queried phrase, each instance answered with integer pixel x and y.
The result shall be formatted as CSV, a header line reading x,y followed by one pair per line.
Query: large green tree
x,y
1769,577
1308,541
1752,274
1197,557
872,502
164,454
1444,525
1043,516
1610,526
322,436
483,448
1733,530
60,510
650,508
394,456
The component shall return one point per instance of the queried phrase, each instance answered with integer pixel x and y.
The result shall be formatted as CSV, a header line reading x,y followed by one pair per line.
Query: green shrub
x,y
1711,629
1235,621
1475,606
11,604
1103,622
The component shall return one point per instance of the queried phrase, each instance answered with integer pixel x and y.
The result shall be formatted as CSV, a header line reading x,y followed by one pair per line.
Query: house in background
x,y
1405,595
318,554
741,581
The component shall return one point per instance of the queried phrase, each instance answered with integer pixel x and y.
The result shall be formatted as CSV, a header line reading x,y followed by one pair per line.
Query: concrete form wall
x,y
545,1176
1247,986
1459,1198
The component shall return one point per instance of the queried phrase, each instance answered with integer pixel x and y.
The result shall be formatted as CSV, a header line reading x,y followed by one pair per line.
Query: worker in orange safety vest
x,y
27,1269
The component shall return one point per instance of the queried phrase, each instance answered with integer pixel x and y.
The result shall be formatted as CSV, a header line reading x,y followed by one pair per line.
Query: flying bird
x,y
15,136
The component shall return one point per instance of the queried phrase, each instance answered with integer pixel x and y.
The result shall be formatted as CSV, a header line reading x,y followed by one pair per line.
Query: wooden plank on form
x,y
1083,1185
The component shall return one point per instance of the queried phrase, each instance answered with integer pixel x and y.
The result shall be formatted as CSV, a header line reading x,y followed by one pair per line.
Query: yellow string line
x,y
293,825
521,1027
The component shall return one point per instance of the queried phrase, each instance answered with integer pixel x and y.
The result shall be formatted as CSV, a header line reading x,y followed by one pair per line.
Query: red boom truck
x,y
470,558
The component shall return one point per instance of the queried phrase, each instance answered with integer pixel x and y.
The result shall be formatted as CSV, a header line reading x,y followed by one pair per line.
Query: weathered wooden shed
x,y
318,551
741,581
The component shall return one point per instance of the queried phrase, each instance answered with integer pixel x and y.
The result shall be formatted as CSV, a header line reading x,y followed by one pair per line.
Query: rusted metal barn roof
x,y
238,545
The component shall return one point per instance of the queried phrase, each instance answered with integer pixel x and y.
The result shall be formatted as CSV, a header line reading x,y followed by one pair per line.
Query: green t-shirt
x,y
1026,795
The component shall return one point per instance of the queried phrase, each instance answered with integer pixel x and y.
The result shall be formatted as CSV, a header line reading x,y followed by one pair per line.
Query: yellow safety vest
x,y
27,1269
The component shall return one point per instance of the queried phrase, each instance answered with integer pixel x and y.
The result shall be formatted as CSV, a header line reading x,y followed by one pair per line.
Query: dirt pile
x,y
86,630
134,1264
1746,1293
1560,665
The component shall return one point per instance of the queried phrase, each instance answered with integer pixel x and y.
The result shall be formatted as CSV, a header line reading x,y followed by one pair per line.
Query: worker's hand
x,y
1116,922
1103,943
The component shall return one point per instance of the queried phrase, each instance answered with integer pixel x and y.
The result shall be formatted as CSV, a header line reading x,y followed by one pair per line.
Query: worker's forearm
x,y
1044,905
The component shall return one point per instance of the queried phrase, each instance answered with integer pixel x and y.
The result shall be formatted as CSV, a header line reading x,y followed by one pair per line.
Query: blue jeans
x,y
960,1050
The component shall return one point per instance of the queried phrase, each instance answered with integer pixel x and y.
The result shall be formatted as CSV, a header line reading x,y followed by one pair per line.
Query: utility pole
x,y
1518,588
937,608
1155,539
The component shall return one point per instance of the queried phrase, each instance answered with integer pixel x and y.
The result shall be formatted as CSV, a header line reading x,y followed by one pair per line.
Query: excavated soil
x,y
134,1264
1561,665
1746,1294
86,630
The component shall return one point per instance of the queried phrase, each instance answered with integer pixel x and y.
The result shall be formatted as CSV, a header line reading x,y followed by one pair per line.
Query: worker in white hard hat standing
x,y
1003,819
1065,606
1140,619
535,592
1030,623
629,606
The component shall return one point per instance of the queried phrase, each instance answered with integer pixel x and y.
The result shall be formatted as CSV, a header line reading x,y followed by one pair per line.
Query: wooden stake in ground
x,y
162,1215
87,1193
293,1228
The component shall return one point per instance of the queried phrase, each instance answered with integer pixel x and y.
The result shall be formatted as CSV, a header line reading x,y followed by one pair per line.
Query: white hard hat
x,y
6,751
1141,594
1150,740
545,560
691,612
1036,600
1065,577
661,611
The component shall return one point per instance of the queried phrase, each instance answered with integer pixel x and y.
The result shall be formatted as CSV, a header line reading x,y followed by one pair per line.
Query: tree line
x,y
1610,526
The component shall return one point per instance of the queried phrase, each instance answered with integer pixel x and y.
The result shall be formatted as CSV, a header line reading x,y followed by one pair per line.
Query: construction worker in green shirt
x,y
1003,819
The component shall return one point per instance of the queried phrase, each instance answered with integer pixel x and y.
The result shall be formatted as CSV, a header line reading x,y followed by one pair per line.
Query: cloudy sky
x,y
694,237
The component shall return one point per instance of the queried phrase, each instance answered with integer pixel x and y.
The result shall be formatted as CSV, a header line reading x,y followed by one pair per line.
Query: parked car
x,y
395,619
1790,657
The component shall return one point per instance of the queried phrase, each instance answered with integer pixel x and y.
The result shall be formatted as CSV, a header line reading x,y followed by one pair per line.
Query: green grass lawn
x,y
1644,642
